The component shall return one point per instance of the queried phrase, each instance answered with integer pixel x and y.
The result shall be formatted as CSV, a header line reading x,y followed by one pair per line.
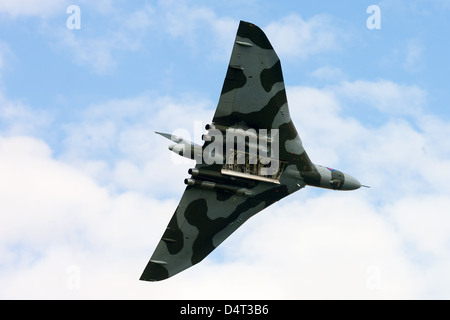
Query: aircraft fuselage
x,y
325,177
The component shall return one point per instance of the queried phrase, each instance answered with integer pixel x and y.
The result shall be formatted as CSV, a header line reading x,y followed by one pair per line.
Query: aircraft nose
x,y
350,183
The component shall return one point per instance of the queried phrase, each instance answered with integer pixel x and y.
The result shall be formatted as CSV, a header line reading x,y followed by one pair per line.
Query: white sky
x,y
87,188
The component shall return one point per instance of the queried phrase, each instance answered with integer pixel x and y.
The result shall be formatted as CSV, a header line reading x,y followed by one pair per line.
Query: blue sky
x,y
88,188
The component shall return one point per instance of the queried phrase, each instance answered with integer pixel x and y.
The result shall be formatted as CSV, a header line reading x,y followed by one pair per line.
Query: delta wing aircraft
x,y
252,156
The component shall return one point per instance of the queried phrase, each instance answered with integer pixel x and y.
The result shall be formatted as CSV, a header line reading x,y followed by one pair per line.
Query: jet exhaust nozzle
x,y
208,185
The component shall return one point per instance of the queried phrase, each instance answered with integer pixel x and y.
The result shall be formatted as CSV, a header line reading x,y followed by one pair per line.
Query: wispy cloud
x,y
43,8
328,73
387,96
100,51
18,118
296,37
414,55
195,25
189,25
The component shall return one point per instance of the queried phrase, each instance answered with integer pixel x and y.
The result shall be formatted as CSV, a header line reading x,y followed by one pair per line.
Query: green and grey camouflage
x,y
231,181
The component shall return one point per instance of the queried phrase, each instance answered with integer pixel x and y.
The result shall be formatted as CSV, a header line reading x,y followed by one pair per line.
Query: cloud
x,y
50,188
54,216
43,8
122,130
409,55
7,57
344,250
295,37
414,56
406,163
401,138
18,118
194,25
61,222
187,24
100,51
317,116
328,73
97,53
387,96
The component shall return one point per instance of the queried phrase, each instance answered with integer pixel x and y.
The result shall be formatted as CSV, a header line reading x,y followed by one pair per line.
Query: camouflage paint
x,y
214,204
